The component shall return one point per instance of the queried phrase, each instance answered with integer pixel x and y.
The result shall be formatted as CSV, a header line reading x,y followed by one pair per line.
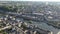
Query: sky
x,y
33,0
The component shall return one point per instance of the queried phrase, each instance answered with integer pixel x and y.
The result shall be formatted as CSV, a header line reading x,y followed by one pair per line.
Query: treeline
x,y
8,8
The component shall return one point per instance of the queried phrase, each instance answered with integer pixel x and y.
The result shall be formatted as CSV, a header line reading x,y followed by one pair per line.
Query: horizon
x,y
35,0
